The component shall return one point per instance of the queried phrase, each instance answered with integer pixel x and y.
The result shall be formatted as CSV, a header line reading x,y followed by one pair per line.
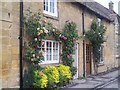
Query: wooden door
x,y
88,59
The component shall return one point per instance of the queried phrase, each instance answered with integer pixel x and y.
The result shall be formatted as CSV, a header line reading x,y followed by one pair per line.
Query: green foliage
x,y
33,56
53,76
73,70
64,74
40,79
68,37
96,36
28,77
37,29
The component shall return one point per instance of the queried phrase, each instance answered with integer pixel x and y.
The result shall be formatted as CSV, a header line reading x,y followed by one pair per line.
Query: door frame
x,y
77,60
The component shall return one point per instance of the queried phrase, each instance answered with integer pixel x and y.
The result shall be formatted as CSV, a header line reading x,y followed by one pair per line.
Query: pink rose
x,y
45,20
39,33
42,54
65,38
62,36
33,55
32,59
60,30
46,31
35,39
37,57
53,30
68,56
55,27
43,42
38,28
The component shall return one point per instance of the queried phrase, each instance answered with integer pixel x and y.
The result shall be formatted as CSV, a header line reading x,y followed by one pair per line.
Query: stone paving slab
x,y
87,84
95,81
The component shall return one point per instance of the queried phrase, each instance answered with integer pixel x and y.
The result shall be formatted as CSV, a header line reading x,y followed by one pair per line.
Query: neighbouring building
x,y
82,13
116,20
119,8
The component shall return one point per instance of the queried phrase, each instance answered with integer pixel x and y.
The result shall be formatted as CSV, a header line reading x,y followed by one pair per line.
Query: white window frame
x,y
55,14
117,50
45,56
101,60
99,21
116,28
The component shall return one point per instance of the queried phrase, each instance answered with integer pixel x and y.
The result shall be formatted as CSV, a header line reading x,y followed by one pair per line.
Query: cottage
x,y
82,13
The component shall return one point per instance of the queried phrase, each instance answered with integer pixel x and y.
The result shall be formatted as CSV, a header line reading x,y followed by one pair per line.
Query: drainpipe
x,y
83,32
20,44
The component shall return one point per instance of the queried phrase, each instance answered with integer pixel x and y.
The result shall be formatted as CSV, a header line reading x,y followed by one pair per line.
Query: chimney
x,y
111,5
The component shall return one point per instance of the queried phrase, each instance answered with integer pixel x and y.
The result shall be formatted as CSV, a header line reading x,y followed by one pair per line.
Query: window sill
x,y
117,56
51,17
100,64
46,64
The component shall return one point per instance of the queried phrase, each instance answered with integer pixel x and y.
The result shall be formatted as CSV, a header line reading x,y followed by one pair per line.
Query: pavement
x,y
95,82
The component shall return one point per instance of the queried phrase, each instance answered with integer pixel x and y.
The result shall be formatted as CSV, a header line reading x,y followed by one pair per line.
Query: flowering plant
x,y
53,76
68,38
33,56
40,79
37,29
64,70
64,74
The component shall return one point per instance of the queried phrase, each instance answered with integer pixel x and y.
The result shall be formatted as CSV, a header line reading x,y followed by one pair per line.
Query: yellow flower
x,y
64,70
54,73
43,80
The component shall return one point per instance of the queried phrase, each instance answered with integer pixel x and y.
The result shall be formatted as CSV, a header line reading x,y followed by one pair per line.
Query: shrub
x,y
64,74
53,76
40,79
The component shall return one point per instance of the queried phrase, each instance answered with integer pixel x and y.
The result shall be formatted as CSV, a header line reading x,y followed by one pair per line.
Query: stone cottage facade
x,y
57,12
9,44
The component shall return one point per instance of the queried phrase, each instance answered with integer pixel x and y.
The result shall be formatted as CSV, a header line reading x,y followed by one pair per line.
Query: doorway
x,y
88,59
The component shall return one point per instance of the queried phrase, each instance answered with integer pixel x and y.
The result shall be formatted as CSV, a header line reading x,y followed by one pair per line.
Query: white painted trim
x,y
55,14
101,48
52,61
76,58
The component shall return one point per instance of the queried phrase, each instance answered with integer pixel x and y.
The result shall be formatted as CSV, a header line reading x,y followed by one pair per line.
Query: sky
x,y
105,3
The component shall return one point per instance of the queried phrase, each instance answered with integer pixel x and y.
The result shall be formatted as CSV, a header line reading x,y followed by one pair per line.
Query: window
x,y
101,55
116,28
50,7
99,21
51,51
117,50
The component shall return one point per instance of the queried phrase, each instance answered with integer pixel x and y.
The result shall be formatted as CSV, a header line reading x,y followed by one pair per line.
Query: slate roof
x,y
99,9
118,18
